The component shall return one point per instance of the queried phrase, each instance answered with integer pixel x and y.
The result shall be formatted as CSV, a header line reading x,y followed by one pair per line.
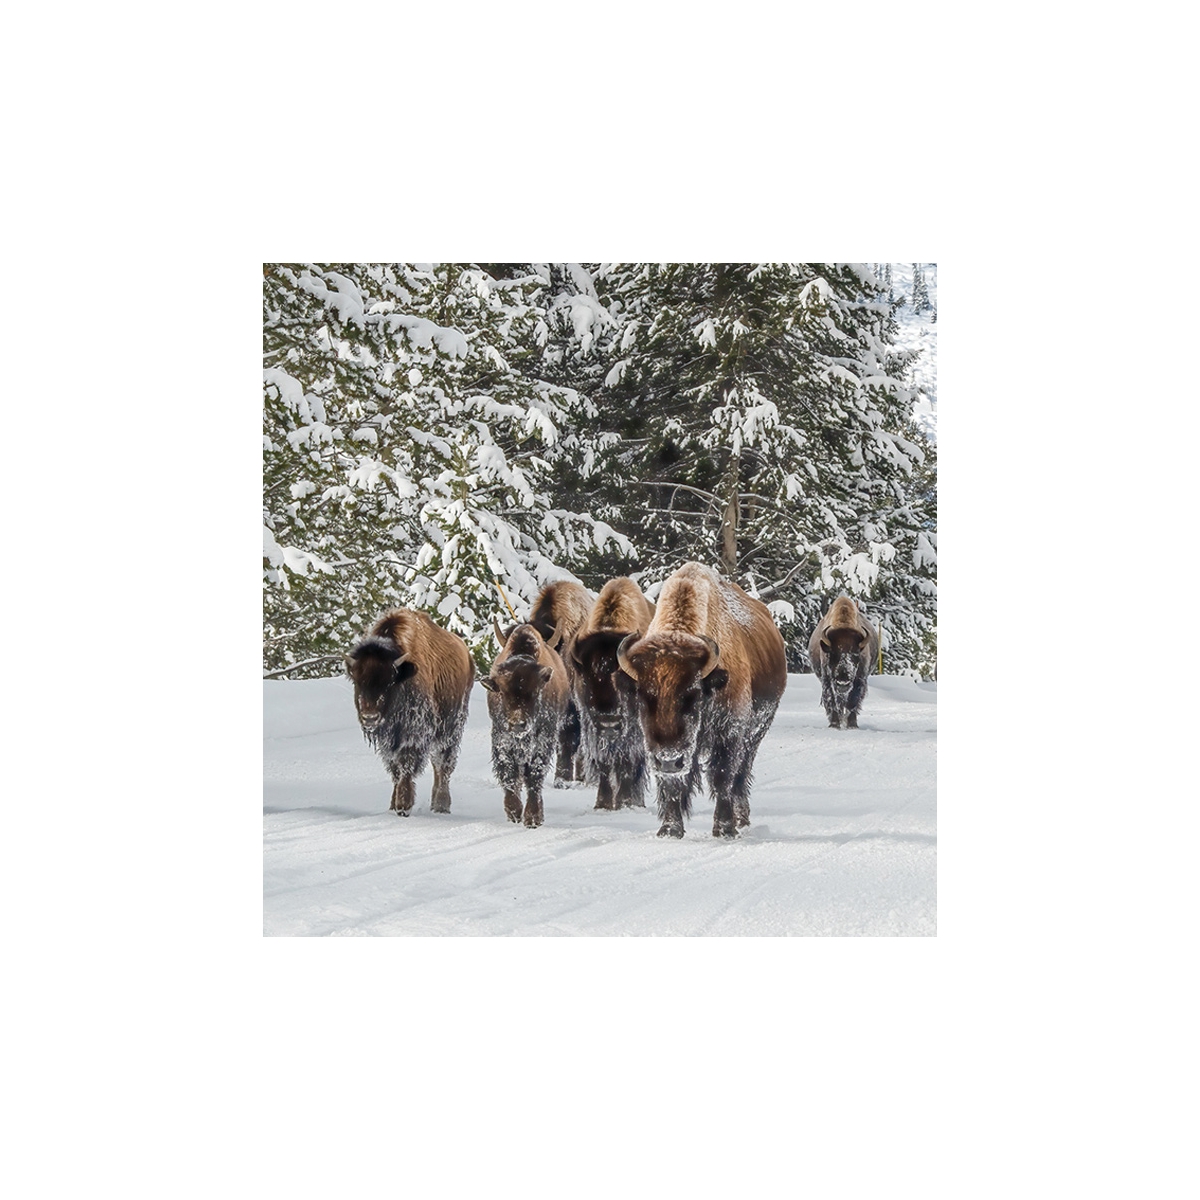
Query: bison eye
x,y
689,702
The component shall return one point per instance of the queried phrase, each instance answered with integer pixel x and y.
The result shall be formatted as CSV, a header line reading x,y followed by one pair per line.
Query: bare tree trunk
x,y
730,517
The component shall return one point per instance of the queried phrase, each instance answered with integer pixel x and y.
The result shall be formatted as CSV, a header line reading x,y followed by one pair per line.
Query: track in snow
x,y
842,837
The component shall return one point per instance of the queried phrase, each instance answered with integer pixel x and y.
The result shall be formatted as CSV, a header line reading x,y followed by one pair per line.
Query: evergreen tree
x,y
763,428
920,290
406,452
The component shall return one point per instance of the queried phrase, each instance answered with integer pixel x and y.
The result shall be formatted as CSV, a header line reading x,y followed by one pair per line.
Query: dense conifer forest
x,y
451,437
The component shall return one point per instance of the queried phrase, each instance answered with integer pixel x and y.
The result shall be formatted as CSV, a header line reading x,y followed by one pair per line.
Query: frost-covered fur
x,y
557,613
843,650
611,737
412,687
709,675
527,695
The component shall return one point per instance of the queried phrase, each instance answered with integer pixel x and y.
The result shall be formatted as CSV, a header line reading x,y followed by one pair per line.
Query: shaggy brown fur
x,y
558,612
843,651
561,606
527,693
412,685
612,741
710,672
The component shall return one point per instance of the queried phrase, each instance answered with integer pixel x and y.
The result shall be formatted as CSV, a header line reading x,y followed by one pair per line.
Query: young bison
x,y
412,684
843,650
527,696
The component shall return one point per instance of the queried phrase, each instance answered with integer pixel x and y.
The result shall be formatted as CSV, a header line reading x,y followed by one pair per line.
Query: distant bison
x,y
710,672
527,696
612,739
412,685
842,650
559,610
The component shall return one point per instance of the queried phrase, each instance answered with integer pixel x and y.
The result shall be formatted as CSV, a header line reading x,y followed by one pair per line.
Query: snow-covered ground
x,y
842,837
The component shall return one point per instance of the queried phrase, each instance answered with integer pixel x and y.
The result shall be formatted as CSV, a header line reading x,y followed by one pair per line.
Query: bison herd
x,y
611,689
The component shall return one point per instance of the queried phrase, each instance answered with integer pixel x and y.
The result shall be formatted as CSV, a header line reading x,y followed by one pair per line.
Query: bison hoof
x,y
532,822
400,812
439,808
675,831
724,829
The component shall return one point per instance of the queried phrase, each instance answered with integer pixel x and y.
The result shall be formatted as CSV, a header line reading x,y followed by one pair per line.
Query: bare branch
x,y
310,662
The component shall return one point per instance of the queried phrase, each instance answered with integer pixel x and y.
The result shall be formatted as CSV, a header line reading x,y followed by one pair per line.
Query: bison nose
x,y
668,764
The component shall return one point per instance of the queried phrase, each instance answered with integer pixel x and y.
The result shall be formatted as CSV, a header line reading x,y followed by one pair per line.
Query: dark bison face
x,y
516,685
674,683
600,685
375,668
843,651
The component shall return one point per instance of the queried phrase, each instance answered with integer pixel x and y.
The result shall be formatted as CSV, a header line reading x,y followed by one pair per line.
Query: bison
x,y
412,685
842,650
612,741
709,674
557,613
527,696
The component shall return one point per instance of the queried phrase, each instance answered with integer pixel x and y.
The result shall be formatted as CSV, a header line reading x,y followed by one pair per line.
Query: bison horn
x,y
555,636
499,635
623,655
714,656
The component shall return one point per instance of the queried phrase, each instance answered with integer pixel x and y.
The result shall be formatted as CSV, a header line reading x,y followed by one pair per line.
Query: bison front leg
x,y
512,805
604,793
567,769
442,769
829,700
533,797
720,784
854,702
675,800
404,793
631,785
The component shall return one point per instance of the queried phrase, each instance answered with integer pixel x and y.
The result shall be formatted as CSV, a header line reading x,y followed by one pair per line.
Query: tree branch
x,y
310,662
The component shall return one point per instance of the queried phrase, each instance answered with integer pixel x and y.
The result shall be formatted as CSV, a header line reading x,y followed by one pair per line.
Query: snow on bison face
x,y
842,650
375,667
676,676
516,690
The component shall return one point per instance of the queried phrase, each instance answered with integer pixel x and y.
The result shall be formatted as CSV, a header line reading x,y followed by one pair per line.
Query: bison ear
x,y
488,682
715,680
545,673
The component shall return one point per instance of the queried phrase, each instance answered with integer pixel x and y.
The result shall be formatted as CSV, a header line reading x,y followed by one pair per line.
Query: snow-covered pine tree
x,y
920,290
763,428
406,452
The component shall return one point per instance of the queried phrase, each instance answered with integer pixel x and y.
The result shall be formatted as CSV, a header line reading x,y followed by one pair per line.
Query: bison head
x,y
517,683
843,651
376,666
675,675
605,690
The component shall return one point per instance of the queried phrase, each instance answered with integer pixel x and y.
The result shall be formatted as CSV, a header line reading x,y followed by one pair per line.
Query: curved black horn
x,y
714,656
623,655
496,629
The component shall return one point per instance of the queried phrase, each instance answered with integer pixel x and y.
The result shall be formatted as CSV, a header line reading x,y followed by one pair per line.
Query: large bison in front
x,y
709,674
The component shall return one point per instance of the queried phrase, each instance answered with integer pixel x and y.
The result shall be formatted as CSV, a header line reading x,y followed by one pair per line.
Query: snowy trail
x,y
842,840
